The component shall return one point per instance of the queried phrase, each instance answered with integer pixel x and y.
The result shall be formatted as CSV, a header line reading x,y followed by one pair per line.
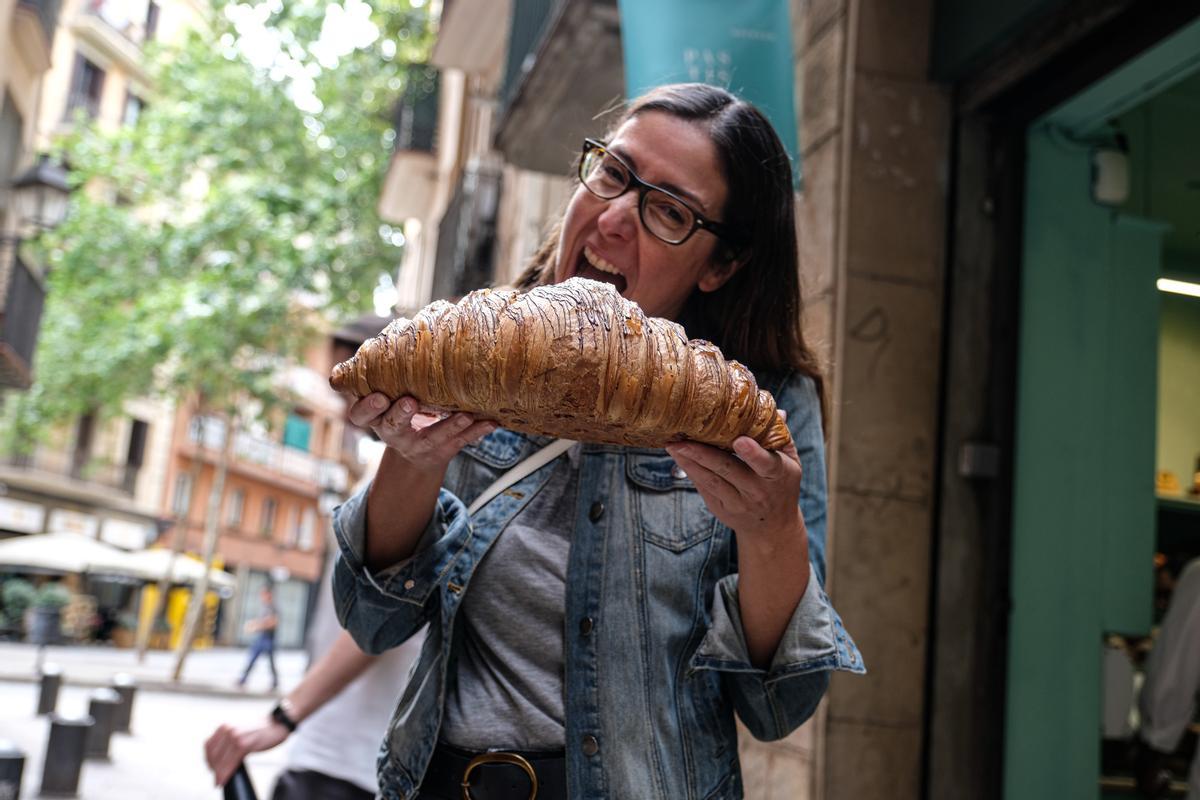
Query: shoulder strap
x,y
527,467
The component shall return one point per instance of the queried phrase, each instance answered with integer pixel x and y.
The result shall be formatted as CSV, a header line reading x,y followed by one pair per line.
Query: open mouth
x,y
596,268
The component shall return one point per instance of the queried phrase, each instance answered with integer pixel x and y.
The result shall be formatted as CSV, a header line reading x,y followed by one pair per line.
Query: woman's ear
x,y
724,265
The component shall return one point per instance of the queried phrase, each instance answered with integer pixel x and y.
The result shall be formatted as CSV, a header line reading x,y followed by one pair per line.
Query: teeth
x,y
599,263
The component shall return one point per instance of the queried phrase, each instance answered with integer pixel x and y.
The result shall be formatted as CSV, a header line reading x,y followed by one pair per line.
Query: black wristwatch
x,y
279,714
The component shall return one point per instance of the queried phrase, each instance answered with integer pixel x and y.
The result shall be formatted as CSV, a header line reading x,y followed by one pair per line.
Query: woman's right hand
x,y
423,440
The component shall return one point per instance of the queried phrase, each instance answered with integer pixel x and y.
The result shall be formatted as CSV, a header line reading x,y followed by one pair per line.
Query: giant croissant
x,y
574,360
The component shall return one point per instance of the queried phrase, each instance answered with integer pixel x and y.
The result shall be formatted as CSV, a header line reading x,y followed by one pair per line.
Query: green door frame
x,y
1083,497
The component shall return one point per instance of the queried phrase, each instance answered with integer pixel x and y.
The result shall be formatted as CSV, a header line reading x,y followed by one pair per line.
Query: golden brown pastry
x,y
573,360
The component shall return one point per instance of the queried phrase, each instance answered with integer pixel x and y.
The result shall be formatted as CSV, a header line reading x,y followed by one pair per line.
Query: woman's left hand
x,y
753,490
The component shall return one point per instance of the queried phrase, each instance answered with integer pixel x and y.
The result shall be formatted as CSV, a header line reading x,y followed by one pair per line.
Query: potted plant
x,y
16,596
45,620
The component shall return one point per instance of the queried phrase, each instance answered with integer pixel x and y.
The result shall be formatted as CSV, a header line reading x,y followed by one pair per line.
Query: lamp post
x,y
38,198
37,201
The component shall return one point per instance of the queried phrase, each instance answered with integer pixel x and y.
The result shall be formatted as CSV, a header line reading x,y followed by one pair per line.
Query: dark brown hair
x,y
755,316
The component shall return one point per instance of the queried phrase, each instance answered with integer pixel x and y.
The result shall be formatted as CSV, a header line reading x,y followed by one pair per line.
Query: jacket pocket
x,y
668,509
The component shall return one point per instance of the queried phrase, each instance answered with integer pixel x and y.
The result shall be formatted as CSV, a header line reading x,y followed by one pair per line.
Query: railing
x,y
530,19
122,477
22,313
268,454
47,11
416,113
467,236
115,15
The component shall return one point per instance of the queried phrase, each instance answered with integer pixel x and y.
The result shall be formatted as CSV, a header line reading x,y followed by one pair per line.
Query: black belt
x,y
454,773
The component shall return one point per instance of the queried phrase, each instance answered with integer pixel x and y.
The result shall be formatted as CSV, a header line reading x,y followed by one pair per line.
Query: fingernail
x,y
378,401
462,422
742,447
408,406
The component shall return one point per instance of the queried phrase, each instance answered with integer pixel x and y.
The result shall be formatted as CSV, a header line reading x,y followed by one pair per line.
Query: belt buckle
x,y
499,758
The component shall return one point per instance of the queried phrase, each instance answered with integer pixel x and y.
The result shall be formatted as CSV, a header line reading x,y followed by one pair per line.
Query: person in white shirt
x,y
1168,698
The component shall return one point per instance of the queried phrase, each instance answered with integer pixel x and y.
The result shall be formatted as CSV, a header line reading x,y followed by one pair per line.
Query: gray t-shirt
x,y
508,691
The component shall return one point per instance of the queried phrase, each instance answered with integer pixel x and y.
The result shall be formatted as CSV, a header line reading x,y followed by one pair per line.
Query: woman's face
x,y
604,240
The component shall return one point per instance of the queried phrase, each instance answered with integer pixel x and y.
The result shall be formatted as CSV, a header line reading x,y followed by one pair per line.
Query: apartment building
x,y
27,32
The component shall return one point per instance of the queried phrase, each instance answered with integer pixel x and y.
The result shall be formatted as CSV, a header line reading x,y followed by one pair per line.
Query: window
x,y
135,454
181,500
151,20
266,524
308,529
11,127
234,506
134,106
297,431
293,526
86,86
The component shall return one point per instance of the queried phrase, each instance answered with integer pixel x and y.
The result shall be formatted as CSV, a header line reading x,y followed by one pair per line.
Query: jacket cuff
x,y
350,530
814,639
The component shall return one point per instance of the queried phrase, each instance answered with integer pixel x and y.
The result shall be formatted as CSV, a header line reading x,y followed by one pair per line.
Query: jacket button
x,y
596,511
590,745
585,625
409,584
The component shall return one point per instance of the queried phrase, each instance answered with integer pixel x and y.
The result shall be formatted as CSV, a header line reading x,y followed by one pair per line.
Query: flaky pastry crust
x,y
573,360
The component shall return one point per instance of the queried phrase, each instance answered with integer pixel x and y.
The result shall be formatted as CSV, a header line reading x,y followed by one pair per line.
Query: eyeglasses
x,y
665,215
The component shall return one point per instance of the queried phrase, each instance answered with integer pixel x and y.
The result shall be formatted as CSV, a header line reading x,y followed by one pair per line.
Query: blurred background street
x,y
162,756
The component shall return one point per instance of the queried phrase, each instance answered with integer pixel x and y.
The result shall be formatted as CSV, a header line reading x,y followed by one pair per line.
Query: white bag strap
x,y
527,467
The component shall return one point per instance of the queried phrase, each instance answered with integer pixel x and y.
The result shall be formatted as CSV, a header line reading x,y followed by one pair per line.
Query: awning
x,y
74,553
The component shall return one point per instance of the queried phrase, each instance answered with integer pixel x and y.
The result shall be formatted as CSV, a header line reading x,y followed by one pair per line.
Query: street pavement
x,y
214,671
163,756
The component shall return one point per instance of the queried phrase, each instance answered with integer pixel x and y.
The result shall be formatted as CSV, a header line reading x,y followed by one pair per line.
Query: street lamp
x,y
39,197
37,200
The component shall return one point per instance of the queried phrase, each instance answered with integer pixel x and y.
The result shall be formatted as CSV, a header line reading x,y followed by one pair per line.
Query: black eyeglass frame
x,y
699,221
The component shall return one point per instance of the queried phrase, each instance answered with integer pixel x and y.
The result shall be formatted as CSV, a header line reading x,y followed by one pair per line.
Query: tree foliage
x,y
205,239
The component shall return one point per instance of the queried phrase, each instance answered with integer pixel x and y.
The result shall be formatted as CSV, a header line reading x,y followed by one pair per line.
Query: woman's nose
x,y
619,217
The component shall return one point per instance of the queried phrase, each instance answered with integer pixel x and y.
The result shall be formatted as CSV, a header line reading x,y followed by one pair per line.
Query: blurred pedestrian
x,y
1168,697
263,629
335,717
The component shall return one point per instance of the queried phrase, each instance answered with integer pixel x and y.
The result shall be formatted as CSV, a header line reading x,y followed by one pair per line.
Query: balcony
x,y
564,67
411,179
472,35
466,240
20,318
107,26
97,472
33,31
264,455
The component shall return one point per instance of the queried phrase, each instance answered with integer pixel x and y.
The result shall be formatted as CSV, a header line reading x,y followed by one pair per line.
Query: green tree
x,y
206,240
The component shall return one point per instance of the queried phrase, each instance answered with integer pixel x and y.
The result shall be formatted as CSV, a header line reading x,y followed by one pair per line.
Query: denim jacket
x,y
656,661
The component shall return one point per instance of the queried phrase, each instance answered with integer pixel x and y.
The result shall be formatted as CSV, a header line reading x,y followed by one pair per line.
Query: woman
x,y
637,597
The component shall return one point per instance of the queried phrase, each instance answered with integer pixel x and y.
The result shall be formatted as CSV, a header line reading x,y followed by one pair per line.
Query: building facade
x,y
27,33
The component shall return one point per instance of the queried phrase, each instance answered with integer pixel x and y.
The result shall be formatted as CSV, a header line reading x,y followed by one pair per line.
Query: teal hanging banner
x,y
744,46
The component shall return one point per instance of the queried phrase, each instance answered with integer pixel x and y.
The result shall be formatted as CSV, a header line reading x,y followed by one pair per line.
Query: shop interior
x,y
1159,137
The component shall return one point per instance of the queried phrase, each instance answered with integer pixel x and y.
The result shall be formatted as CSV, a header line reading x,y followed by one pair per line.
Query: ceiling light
x,y
1179,287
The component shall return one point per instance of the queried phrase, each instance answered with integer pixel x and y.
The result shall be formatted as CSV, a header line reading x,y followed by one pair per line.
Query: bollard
x,y
125,686
103,709
64,755
12,764
51,682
